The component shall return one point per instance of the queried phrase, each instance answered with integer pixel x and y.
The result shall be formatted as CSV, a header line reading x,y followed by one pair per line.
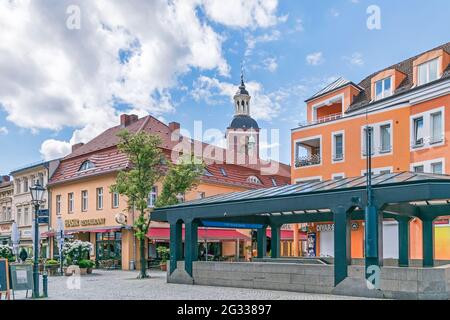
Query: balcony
x,y
308,160
308,152
323,119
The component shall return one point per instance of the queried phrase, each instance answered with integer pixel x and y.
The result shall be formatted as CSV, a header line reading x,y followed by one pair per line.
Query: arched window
x,y
254,180
86,165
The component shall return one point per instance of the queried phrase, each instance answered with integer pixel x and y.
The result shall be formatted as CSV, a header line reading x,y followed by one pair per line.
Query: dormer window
x,y
87,165
207,173
383,88
428,72
254,180
223,172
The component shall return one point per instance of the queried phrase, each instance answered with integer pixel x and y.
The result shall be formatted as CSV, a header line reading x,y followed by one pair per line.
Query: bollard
x,y
45,284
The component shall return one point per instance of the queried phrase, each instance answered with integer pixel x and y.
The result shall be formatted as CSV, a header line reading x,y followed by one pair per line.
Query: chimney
x,y
174,128
77,146
126,120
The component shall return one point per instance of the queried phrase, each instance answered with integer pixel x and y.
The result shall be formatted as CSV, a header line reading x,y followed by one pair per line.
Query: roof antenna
x,y
242,73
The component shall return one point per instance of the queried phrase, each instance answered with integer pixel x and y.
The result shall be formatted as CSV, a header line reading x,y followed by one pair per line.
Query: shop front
x,y
5,233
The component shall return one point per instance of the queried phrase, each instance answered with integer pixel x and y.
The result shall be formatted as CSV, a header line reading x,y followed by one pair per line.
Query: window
x,y
86,165
383,88
99,198
385,138
428,72
338,177
338,147
115,199
254,180
418,132
19,217
387,171
70,205
84,200
18,187
207,173
152,197
25,185
223,172
201,195
372,140
436,168
436,127
274,182
58,204
41,179
8,214
419,169
26,217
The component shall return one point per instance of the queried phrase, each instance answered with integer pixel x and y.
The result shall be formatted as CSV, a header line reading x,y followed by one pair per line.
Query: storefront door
x,y
108,250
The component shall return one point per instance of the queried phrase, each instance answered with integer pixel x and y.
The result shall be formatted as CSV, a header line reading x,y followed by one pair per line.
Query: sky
x,y
68,69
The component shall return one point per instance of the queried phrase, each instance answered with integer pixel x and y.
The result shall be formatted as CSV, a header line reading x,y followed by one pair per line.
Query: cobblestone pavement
x,y
124,285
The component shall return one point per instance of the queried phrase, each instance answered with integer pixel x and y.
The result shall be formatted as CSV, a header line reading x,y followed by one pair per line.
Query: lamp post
x,y
60,239
37,193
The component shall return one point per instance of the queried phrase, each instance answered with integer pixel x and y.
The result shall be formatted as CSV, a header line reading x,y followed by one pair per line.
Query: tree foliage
x,y
179,179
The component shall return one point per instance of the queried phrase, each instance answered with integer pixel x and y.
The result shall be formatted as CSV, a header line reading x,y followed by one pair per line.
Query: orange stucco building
x,y
406,107
81,197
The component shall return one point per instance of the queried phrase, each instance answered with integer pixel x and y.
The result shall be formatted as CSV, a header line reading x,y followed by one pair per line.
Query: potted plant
x,y
164,254
86,266
52,266
6,252
74,252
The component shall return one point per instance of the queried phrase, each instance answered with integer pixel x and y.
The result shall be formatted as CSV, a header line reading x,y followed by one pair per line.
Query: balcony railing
x,y
309,160
328,118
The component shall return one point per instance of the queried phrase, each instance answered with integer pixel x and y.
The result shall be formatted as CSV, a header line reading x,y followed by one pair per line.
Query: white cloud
x,y
243,13
355,59
335,13
252,40
264,106
270,64
4,130
53,77
315,59
54,149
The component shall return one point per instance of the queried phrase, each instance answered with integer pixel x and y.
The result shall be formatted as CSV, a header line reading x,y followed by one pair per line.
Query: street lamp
x,y
60,239
37,193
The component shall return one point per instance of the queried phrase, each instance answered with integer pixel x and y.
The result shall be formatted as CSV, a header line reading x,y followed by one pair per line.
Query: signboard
x,y
330,227
43,213
88,222
215,224
25,233
22,277
4,276
5,227
43,220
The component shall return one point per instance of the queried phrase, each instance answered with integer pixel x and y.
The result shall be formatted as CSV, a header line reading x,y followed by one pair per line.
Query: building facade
x,y
81,196
22,208
406,108
6,216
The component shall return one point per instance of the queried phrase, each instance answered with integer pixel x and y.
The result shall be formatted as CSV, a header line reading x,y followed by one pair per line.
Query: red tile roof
x,y
102,151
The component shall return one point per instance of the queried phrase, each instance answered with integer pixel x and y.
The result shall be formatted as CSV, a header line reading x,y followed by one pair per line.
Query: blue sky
x,y
56,80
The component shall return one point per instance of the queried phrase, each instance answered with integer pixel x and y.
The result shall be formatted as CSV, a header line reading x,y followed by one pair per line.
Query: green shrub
x,y
52,262
164,253
86,263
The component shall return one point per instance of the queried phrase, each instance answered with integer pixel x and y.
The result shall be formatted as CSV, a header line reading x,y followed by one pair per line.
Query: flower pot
x,y
163,266
89,270
83,271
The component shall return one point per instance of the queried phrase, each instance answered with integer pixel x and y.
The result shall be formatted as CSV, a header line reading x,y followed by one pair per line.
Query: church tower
x,y
243,132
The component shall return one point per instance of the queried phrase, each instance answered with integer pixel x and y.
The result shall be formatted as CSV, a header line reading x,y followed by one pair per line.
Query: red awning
x,y
288,234
203,234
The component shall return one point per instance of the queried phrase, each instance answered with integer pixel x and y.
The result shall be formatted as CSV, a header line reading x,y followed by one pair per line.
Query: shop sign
x,y
325,227
88,222
25,233
330,227
5,228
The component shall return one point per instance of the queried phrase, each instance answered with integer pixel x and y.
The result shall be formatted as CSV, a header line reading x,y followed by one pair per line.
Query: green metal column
x,y
428,242
275,241
190,245
374,238
261,242
403,241
342,244
175,244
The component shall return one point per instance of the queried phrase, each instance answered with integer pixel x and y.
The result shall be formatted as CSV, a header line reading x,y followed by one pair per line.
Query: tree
x,y
179,179
146,169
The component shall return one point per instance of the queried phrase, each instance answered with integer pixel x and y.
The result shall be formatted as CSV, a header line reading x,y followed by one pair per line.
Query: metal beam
x,y
275,240
428,242
261,242
190,245
342,243
175,244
